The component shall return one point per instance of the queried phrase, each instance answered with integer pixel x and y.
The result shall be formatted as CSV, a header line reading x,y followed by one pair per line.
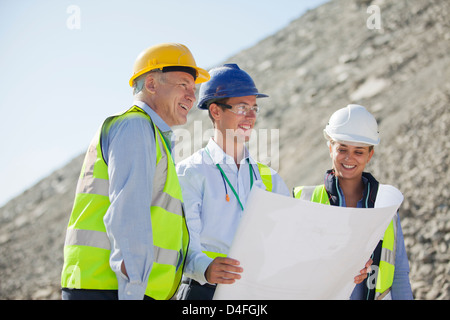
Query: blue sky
x,y
58,84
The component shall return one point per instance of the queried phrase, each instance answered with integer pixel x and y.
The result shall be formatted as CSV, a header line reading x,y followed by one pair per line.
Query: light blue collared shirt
x,y
211,219
129,150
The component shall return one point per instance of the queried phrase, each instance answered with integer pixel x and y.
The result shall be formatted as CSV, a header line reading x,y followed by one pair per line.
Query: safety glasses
x,y
240,109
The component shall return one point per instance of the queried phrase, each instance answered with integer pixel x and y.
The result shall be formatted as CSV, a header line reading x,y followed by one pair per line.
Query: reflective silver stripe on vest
x,y
166,201
98,239
307,193
87,183
387,254
159,197
92,185
166,256
90,238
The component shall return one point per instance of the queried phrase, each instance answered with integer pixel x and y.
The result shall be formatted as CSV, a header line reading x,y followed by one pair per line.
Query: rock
x,y
369,88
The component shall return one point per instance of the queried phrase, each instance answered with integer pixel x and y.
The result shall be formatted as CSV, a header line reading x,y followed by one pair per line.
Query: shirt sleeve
x,y
401,287
196,261
279,186
129,150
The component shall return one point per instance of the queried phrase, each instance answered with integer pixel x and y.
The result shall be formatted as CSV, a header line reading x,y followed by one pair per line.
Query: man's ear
x,y
215,111
150,83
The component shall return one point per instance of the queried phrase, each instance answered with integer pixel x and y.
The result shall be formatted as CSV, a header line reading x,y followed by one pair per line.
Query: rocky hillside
x,y
320,62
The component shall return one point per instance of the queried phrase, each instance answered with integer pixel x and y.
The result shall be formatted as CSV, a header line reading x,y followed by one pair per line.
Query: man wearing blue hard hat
x,y
217,180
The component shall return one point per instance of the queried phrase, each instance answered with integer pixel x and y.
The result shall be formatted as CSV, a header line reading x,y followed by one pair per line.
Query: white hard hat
x,y
353,124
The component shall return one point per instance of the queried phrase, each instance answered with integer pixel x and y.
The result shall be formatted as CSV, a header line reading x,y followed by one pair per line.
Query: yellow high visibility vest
x,y
266,176
87,247
386,268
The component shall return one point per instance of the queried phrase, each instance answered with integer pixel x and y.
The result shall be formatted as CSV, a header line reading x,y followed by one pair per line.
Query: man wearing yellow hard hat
x,y
127,236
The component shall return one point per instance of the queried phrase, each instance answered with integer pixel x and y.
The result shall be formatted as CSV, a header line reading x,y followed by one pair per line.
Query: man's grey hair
x,y
139,82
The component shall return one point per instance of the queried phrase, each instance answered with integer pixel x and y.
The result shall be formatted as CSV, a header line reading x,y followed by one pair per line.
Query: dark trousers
x,y
85,294
192,290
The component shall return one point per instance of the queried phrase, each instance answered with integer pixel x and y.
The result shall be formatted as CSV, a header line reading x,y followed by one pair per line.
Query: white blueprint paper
x,y
295,249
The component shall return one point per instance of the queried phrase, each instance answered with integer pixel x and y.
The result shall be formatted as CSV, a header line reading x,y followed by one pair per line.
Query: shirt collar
x,y
360,203
157,120
220,157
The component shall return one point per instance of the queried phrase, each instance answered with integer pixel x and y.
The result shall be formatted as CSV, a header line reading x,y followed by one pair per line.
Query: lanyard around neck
x,y
224,176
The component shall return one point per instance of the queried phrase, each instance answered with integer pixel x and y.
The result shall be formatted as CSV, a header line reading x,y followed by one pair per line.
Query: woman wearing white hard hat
x,y
352,133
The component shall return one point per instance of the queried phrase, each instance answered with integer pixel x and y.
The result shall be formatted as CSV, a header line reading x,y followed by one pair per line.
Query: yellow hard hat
x,y
167,55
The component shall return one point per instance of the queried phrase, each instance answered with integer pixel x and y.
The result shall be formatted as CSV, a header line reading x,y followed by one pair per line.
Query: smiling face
x,y
349,161
172,95
232,125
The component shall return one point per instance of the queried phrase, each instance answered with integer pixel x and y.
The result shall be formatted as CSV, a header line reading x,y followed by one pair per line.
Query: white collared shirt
x,y
213,221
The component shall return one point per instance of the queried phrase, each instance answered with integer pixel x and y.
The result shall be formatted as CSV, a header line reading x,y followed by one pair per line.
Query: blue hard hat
x,y
227,81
